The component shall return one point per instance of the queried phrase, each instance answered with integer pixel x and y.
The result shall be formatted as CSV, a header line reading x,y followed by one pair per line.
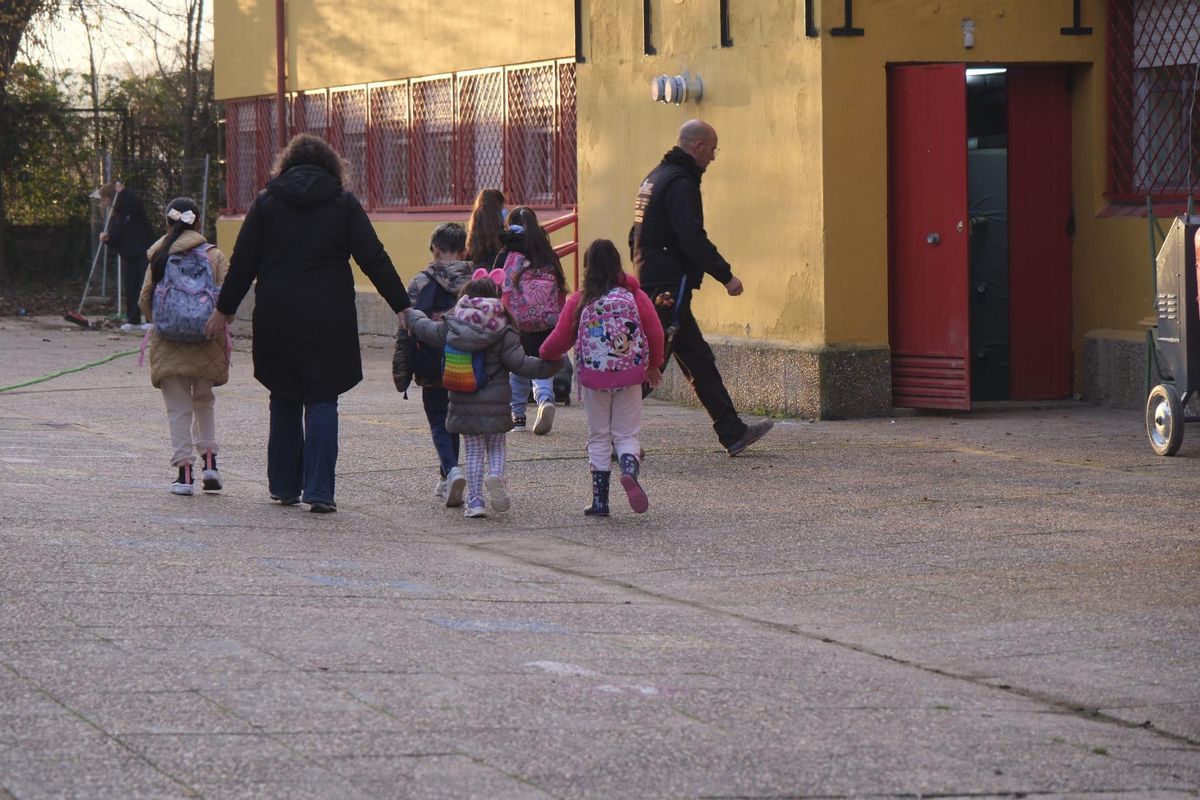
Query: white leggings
x,y
190,415
614,419
478,446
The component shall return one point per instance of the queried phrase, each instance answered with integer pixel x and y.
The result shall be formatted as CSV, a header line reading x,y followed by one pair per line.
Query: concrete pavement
x,y
1000,603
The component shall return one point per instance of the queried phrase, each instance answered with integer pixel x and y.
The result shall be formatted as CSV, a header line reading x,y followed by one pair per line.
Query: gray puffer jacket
x,y
480,323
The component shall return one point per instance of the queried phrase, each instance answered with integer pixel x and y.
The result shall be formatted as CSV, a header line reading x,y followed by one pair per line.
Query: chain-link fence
x,y
1153,70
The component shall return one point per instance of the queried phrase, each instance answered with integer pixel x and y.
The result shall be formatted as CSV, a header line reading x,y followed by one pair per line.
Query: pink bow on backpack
x,y
497,275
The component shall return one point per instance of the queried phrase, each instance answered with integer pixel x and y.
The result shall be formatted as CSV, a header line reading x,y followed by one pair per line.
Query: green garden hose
x,y
62,372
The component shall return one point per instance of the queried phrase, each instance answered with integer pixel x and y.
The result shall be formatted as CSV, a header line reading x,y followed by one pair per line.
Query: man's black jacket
x,y
671,241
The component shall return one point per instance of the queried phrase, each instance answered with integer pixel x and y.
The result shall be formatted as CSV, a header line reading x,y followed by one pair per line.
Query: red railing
x,y
567,248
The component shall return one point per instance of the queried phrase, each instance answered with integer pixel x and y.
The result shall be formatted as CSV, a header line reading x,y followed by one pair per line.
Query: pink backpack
x,y
611,351
536,303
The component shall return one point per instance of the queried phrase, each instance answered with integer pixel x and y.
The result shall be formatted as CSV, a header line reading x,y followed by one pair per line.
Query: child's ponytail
x,y
183,215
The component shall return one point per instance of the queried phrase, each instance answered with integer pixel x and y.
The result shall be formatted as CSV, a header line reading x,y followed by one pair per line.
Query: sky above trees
x,y
123,33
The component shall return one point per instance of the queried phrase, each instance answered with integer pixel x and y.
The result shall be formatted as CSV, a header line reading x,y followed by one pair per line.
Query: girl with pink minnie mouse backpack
x,y
480,348
618,340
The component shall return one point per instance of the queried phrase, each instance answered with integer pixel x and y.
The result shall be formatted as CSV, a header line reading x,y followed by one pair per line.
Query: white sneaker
x,y
545,418
184,482
456,487
127,326
439,491
210,476
497,493
475,512
147,326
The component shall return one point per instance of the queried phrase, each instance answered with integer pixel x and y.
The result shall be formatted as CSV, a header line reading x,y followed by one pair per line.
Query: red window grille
x,y
1154,119
567,171
529,151
310,113
431,173
387,147
241,126
348,134
426,143
480,133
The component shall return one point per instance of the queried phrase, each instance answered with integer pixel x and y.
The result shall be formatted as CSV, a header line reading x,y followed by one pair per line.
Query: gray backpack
x,y
186,296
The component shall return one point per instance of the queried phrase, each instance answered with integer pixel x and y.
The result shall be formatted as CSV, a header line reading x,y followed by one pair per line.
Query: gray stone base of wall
x,y
785,380
1114,368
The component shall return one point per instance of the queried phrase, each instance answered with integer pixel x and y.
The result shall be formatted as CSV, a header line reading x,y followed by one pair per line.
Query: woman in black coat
x,y
295,246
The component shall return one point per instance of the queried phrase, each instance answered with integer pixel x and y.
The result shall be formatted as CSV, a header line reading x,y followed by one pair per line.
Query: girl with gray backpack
x,y
178,295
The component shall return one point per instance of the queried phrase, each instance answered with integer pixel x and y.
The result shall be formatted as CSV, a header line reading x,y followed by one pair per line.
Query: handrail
x,y
567,248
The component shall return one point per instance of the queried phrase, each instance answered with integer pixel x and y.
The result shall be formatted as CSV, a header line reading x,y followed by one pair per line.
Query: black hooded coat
x,y
295,246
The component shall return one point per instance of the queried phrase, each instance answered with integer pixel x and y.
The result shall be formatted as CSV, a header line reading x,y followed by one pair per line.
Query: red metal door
x,y
1039,213
927,237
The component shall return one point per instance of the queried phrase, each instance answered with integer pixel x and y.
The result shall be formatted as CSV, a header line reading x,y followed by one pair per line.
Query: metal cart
x,y
1176,348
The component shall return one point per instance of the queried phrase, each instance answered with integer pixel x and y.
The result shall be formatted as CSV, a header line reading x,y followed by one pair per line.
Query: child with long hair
x,y
618,340
534,290
186,372
479,323
483,228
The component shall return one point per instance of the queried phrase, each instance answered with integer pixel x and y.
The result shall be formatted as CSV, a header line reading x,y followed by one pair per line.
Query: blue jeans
x,y
436,402
543,391
543,388
302,449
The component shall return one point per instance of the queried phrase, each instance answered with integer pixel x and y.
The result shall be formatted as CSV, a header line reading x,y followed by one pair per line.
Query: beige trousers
x,y
190,415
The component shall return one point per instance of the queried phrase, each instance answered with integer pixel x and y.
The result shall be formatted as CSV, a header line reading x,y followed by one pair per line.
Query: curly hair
x,y
306,148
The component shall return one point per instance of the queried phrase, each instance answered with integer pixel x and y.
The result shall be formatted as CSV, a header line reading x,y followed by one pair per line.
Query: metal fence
x,y
1154,118
426,143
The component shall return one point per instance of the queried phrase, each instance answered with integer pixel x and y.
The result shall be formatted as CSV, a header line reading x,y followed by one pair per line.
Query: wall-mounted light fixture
x,y
968,31
676,89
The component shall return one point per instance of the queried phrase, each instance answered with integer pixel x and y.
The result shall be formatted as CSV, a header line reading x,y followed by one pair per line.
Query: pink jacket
x,y
563,337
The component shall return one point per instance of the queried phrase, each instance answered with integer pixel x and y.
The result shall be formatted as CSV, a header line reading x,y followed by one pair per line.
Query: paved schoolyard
x,y
1005,602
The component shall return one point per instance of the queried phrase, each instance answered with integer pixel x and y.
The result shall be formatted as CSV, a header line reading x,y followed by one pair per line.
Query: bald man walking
x,y
669,243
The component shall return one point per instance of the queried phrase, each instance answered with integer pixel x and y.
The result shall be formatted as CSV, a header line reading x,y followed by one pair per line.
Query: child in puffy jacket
x,y
618,340
479,323
186,372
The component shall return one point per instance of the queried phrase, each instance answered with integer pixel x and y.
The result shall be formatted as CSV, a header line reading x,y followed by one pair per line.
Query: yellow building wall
x,y
345,42
762,194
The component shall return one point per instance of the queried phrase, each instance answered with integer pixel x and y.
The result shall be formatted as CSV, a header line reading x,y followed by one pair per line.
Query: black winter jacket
x,y
295,246
129,230
669,240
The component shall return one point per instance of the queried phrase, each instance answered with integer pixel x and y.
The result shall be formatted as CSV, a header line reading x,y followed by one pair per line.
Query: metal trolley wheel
x,y
1164,419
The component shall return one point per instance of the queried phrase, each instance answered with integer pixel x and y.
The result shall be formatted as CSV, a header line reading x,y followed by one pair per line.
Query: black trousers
x,y
133,272
697,363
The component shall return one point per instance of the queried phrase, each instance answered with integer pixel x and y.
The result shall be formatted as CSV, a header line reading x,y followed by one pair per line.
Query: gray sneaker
x,y
753,434
456,487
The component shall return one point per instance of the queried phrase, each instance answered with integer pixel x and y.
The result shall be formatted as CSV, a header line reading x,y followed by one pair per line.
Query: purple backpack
x,y
536,303
611,350
186,296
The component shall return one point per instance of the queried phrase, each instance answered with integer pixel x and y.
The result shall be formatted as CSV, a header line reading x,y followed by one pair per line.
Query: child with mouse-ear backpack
x,y
178,294
481,347
618,341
